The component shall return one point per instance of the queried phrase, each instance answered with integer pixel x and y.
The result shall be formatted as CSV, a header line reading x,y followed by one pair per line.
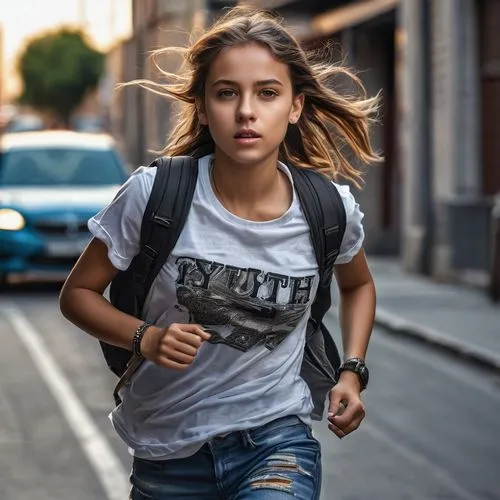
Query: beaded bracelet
x,y
136,342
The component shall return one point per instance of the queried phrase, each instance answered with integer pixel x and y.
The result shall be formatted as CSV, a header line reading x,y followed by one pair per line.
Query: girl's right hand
x,y
173,347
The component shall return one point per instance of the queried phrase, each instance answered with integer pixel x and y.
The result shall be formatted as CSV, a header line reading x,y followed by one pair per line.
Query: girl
x,y
205,420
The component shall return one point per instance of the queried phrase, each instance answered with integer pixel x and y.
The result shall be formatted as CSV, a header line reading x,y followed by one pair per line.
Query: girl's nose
x,y
245,111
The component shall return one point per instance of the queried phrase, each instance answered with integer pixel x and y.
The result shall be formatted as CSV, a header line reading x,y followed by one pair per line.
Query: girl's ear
x,y
202,118
297,107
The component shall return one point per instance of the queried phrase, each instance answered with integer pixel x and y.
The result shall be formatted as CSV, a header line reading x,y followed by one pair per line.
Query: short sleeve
x,y
119,224
354,234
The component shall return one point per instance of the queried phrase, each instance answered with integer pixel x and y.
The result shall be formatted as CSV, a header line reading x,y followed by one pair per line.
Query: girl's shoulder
x,y
354,232
118,224
137,187
142,176
347,196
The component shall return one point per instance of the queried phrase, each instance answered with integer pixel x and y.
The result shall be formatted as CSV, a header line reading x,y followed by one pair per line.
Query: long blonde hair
x,y
329,121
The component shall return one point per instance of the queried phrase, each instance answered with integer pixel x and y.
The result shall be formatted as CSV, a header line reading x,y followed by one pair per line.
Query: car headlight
x,y
11,220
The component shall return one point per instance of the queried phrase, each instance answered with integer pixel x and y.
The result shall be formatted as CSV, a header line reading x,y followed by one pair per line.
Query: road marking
x,y
102,458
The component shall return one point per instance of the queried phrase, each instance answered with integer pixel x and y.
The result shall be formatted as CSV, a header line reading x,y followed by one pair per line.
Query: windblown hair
x,y
331,122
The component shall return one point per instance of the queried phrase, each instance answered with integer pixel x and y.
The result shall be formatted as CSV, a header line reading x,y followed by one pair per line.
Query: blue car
x,y
51,183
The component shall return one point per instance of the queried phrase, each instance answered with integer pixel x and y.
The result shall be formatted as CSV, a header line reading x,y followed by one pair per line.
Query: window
x,y
52,167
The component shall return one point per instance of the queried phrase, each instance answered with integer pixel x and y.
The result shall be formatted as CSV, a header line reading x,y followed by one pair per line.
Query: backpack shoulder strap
x,y
163,219
324,211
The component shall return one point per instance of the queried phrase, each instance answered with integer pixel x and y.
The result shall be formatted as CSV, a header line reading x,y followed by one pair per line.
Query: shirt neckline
x,y
204,168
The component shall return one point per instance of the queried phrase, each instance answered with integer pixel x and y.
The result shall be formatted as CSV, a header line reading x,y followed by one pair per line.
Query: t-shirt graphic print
x,y
241,307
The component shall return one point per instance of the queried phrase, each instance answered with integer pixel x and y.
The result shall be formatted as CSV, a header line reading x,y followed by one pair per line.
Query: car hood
x,y
44,198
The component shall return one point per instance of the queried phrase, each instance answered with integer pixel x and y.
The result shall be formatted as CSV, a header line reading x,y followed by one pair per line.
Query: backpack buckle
x,y
150,252
331,230
162,221
332,255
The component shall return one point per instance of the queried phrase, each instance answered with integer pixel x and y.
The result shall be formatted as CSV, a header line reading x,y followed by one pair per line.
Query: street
x,y
432,429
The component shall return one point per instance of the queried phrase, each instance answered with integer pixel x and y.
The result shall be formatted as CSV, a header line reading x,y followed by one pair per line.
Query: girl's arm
x,y
357,313
82,303
81,300
357,305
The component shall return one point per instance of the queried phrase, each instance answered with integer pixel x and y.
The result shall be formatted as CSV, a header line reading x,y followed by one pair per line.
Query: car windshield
x,y
60,167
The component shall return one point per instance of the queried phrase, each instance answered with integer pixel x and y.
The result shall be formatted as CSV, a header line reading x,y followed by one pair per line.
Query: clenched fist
x,y
173,347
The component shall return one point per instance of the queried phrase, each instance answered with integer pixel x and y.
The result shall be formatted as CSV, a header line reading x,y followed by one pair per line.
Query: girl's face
x,y
249,103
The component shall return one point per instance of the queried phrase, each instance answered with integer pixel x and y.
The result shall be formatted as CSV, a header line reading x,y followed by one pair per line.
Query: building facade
x,y
450,122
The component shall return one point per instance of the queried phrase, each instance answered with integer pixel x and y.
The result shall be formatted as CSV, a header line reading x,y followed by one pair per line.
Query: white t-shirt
x,y
252,283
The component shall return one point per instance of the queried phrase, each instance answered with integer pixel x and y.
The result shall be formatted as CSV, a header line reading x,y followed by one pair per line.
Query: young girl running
x,y
206,420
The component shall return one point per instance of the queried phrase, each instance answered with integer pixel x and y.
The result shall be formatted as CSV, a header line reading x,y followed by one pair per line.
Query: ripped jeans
x,y
280,460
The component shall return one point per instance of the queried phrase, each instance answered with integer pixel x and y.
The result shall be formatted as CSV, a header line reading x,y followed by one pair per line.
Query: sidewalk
x,y
457,318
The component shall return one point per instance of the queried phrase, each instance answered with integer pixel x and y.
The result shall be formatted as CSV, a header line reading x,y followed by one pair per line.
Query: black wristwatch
x,y
356,365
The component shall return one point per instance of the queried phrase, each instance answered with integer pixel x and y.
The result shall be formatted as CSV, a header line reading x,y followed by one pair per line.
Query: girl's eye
x,y
225,93
269,93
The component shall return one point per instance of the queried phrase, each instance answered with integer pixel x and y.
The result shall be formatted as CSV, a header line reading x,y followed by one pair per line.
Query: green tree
x,y
57,70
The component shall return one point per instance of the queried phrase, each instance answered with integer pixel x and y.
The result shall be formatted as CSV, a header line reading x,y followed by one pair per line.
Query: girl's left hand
x,y
346,410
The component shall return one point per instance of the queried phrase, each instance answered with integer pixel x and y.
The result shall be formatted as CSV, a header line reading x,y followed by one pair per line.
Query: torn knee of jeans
x,y
286,462
282,461
273,475
272,481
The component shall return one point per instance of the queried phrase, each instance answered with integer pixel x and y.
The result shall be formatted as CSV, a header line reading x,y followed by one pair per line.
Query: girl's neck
x,y
244,183
258,192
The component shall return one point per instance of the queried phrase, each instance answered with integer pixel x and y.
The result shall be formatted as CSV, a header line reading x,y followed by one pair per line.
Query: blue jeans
x,y
280,460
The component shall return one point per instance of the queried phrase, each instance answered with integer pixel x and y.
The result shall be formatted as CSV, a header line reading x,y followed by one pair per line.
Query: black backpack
x,y
162,223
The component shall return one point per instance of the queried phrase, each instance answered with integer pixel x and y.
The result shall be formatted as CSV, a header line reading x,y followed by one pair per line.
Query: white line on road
x,y
96,448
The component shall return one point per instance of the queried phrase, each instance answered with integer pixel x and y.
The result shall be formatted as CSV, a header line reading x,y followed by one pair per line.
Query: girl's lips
x,y
246,140
245,133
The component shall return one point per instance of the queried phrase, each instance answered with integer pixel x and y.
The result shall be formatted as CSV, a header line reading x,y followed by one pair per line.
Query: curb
x,y
397,325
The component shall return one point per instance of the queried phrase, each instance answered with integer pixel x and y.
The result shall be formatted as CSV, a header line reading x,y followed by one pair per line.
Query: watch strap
x,y
358,366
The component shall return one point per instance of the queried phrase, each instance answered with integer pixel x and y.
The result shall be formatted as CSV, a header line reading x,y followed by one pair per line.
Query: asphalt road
x,y
432,429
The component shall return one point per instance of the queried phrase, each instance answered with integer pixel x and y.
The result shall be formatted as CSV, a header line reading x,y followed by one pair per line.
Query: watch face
x,y
357,366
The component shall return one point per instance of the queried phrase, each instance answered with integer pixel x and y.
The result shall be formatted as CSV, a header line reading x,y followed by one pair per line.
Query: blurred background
x,y
432,220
